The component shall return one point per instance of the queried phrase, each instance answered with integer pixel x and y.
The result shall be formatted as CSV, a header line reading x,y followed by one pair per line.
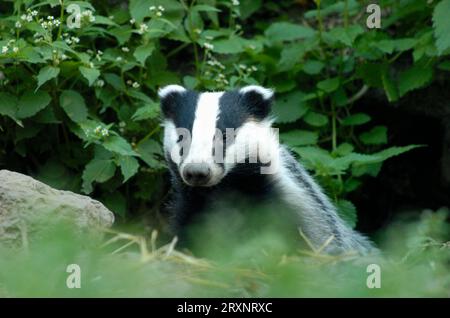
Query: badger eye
x,y
180,137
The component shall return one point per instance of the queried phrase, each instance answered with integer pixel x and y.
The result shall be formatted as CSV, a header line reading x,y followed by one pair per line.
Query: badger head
x,y
206,134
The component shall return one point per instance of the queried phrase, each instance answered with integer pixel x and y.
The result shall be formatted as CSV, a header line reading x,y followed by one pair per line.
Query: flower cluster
x,y
70,39
101,132
49,23
143,28
208,46
99,83
158,11
88,16
29,16
247,70
133,84
10,46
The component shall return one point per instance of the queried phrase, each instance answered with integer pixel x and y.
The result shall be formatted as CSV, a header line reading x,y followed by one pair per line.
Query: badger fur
x,y
198,179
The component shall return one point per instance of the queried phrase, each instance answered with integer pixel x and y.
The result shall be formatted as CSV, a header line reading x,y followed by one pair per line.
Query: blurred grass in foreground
x,y
237,262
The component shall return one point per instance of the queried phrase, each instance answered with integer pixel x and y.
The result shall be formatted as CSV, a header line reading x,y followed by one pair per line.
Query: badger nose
x,y
196,174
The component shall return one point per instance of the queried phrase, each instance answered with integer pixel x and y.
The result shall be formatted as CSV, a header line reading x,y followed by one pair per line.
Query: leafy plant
x,y
80,103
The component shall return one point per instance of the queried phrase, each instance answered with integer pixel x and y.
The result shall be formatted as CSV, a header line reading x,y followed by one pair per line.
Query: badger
x,y
237,125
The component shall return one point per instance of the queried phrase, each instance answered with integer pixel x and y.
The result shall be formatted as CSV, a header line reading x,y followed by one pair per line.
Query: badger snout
x,y
196,174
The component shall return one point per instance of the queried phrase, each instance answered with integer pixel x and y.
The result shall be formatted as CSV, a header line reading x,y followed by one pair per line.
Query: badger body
x,y
254,165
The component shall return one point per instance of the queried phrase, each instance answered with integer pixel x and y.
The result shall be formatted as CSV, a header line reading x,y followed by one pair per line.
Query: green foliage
x,y
82,101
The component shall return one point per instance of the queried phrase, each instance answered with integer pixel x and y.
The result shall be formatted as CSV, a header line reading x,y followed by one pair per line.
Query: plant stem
x,y
333,128
346,14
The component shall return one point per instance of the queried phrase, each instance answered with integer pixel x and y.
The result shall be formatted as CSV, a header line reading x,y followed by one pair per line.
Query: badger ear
x,y
257,99
169,96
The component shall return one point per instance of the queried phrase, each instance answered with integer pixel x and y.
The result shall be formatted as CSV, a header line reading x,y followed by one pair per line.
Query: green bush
x,y
78,106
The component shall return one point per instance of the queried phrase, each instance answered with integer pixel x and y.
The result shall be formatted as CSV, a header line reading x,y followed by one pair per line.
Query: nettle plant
x,y
78,105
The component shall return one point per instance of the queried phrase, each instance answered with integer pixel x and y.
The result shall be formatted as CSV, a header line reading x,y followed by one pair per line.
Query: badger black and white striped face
x,y
207,134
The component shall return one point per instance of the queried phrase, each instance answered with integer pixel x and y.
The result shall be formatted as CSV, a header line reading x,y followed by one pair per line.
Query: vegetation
x,y
78,110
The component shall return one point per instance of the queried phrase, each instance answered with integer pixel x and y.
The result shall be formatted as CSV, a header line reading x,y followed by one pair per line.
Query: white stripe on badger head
x,y
171,147
166,90
204,128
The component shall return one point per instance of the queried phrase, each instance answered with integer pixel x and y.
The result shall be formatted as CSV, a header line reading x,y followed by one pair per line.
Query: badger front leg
x,y
317,216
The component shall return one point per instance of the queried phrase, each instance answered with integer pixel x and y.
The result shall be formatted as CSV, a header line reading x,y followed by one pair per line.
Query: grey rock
x,y
27,204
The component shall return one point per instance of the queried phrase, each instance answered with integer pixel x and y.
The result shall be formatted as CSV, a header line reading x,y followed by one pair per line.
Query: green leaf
x,y
313,67
441,24
74,106
151,152
289,108
285,31
128,166
344,35
98,170
148,111
290,56
376,136
232,45
118,145
415,77
315,119
8,106
347,211
205,8
329,85
356,119
32,102
91,74
115,81
299,137
143,52
389,86
45,74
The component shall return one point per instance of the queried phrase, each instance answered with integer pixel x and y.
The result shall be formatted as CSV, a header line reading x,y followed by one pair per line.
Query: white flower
x,y
23,16
50,17
209,37
132,21
15,49
99,83
161,8
136,85
242,66
91,65
56,22
18,24
4,49
105,132
29,18
254,68
75,39
63,57
97,129
34,13
143,28
152,8
125,49
129,82
235,2
118,59
208,46
159,13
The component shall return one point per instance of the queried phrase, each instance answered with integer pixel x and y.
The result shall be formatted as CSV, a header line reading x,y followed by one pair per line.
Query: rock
x,y
26,204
